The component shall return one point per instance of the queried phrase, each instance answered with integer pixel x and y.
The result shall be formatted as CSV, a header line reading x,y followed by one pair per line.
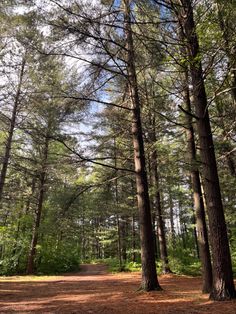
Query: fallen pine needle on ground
x,y
93,290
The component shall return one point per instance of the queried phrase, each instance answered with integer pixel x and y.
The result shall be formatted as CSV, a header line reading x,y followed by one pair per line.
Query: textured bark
x,y
83,240
223,285
158,208
42,180
133,223
119,242
182,223
149,275
119,247
194,222
123,227
29,200
7,153
172,227
154,230
200,219
133,240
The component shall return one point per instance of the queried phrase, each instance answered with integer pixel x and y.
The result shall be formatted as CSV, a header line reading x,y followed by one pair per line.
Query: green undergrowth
x,y
50,261
184,262
234,263
180,264
114,265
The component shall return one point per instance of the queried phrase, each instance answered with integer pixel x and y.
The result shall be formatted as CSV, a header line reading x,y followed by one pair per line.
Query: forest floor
x,y
94,290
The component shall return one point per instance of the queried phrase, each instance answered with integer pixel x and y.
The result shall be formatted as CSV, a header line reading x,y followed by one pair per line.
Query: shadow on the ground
x,y
107,293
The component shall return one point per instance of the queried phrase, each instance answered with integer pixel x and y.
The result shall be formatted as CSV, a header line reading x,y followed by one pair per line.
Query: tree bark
x,y
42,180
172,226
199,209
11,131
133,239
119,242
158,208
133,223
118,219
123,229
149,275
223,285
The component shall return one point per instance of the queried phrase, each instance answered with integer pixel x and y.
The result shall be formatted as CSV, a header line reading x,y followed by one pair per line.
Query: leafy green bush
x,y
114,265
183,262
58,260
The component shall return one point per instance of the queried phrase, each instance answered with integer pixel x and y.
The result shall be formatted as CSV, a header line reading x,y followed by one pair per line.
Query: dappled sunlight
x,y
106,293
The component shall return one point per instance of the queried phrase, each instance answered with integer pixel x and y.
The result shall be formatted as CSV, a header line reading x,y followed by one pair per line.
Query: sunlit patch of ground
x,y
29,278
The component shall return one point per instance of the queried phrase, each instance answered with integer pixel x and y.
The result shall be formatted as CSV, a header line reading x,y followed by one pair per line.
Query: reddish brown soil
x,y
93,290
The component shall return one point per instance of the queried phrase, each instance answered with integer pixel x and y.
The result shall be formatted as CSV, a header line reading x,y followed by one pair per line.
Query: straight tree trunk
x,y
7,152
158,207
123,227
42,180
119,242
172,226
133,239
199,209
154,228
133,224
83,237
182,224
118,219
223,285
149,275
29,200
195,233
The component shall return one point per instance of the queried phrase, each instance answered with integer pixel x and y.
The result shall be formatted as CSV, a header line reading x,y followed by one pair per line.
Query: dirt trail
x,y
93,269
93,290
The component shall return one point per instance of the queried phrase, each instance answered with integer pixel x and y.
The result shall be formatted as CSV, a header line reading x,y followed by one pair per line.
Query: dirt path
x,y
93,269
93,290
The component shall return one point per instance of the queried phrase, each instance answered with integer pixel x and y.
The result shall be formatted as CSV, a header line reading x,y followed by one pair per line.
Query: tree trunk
x,y
11,131
182,223
119,242
154,230
223,285
149,275
29,200
158,207
195,233
202,234
83,241
133,239
42,181
133,224
118,219
172,226
123,229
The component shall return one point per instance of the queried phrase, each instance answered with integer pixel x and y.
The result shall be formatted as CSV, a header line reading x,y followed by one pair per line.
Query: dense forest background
x,y
101,102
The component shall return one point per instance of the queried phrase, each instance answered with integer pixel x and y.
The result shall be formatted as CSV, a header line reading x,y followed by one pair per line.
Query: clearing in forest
x,y
94,290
